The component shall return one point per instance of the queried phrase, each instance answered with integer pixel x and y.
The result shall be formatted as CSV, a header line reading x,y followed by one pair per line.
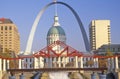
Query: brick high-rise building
x,y
9,36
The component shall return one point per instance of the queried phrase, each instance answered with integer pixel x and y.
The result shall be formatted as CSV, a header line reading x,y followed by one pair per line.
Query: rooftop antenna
x,y
55,7
56,18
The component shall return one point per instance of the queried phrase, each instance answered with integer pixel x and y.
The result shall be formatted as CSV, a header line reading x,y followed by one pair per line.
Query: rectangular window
x,y
10,34
1,27
118,49
45,60
113,49
61,58
30,60
9,45
5,27
26,60
52,58
10,28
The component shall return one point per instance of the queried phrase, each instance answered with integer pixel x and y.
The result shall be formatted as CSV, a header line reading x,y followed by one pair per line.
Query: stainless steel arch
x,y
31,36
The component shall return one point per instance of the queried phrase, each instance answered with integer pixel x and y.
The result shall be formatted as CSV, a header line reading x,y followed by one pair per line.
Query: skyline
x,y
24,16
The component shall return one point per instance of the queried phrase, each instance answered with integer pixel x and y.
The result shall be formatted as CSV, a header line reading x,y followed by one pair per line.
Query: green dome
x,y
56,30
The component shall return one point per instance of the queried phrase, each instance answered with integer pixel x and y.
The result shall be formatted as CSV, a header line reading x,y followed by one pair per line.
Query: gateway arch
x,y
34,26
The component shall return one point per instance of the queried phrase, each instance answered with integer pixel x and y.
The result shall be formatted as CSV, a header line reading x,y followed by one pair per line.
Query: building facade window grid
x,y
9,35
94,30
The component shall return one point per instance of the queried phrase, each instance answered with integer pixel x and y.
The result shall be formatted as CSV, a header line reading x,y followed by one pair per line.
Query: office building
x,y
113,48
99,32
9,36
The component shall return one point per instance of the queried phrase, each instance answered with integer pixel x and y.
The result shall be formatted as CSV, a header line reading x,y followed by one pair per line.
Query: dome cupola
x,y
56,32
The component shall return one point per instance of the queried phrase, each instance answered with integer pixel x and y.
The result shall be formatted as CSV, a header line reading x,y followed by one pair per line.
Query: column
x,y
20,60
39,66
0,64
84,62
64,61
81,62
112,60
63,64
23,64
35,63
7,64
109,64
40,62
59,61
4,65
96,60
50,62
88,58
55,62
116,63
76,61
0,68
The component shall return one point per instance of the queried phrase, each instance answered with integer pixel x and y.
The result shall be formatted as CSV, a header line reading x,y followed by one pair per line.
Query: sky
x,y
24,12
